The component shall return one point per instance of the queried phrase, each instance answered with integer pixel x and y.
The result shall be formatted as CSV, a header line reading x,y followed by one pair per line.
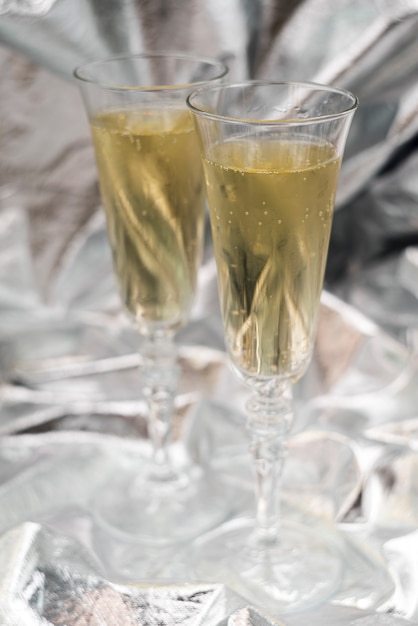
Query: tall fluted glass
x,y
153,194
271,155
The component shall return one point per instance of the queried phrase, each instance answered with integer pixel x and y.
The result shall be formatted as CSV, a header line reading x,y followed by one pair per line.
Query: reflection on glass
x,y
272,154
153,194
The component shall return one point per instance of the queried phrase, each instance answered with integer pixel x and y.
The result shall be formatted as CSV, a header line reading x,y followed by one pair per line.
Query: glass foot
x,y
302,570
141,511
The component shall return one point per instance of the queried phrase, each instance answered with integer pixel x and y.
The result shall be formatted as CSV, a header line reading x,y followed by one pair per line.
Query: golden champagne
x,y
152,189
271,205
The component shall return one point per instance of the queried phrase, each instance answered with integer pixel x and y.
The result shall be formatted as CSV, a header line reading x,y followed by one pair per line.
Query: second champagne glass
x,y
272,154
153,194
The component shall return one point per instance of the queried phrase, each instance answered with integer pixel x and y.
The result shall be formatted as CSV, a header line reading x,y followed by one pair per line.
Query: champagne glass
x,y
152,189
271,154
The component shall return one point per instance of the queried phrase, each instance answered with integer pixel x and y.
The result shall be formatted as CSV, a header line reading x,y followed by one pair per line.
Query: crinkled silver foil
x,y
70,404
39,589
26,7
72,414
367,46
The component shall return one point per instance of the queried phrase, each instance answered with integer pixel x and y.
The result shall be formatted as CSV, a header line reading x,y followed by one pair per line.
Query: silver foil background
x,y
69,402
369,47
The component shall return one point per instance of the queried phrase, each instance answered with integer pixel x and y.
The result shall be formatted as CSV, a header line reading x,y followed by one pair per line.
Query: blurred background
x,y
368,46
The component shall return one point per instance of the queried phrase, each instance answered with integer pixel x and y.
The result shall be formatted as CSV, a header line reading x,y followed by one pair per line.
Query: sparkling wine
x,y
271,205
152,189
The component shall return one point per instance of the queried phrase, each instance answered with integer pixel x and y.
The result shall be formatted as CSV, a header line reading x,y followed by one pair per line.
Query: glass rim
x,y
78,71
273,122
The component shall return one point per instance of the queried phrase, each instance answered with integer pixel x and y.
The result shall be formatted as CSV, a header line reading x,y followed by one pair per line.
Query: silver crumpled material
x,y
72,413
37,589
26,7
367,46
70,404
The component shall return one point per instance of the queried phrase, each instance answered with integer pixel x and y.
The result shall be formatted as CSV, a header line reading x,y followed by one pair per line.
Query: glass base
x,y
299,572
162,512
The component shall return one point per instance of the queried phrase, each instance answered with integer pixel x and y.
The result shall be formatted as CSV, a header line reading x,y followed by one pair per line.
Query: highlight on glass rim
x,y
271,154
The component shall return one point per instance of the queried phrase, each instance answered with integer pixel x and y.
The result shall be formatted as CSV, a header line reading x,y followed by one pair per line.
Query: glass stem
x,y
159,373
269,420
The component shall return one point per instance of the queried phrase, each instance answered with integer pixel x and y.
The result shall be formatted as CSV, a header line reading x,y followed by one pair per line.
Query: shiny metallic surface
x,y
70,407
368,47
72,415
26,7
